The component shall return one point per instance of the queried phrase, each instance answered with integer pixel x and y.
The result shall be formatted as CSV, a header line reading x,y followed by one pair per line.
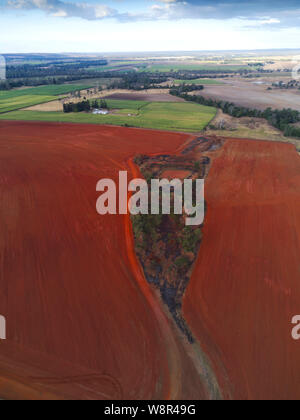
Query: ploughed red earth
x,y
245,288
81,320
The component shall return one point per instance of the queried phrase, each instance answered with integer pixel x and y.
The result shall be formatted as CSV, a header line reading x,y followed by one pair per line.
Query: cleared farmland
x,y
49,90
83,322
253,95
245,288
198,67
198,82
18,102
22,98
155,115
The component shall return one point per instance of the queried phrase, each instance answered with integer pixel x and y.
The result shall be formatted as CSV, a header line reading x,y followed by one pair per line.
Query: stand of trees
x,y
122,80
40,81
85,106
280,119
51,72
291,131
139,81
99,104
50,69
77,107
184,88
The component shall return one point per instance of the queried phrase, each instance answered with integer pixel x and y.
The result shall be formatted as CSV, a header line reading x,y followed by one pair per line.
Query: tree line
x,y
185,88
280,119
40,81
50,69
121,80
85,106
139,81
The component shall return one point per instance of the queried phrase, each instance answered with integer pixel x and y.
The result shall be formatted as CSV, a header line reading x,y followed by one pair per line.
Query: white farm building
x,y
100,112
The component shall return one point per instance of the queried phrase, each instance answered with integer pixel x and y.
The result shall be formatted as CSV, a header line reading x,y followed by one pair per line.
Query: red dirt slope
x,y
245,288
78,323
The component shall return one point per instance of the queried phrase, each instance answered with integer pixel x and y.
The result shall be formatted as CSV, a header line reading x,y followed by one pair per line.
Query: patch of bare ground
x,y
246,276
269,78
23,87
80,342
280,65
54,106
250,94
57,106
247,127
152,95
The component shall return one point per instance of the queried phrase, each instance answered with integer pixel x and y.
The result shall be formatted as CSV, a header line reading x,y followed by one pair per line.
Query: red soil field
x,y
245,288
82,321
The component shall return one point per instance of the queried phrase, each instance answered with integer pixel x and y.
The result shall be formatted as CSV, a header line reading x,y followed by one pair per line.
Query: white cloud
x,y
268,13
60,8
59,13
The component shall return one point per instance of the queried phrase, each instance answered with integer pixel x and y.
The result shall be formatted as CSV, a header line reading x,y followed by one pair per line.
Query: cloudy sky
x,y
147,25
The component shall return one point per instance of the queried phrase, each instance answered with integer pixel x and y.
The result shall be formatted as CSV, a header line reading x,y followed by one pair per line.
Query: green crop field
x,y
18,102
198,82
125,104
195,67
155,115
21,98
43,90
58,89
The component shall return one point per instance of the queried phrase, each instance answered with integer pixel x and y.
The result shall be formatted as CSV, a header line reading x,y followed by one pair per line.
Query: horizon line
x,y
156,51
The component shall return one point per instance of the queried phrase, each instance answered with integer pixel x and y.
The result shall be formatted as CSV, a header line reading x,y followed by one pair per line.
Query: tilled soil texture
x,y
245,288
252,95
82,321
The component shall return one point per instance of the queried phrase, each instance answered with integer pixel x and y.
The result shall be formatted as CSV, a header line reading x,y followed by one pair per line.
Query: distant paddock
x,y
153,95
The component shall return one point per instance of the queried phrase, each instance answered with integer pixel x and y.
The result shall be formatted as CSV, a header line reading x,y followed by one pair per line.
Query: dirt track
x,y
245,288
80,323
